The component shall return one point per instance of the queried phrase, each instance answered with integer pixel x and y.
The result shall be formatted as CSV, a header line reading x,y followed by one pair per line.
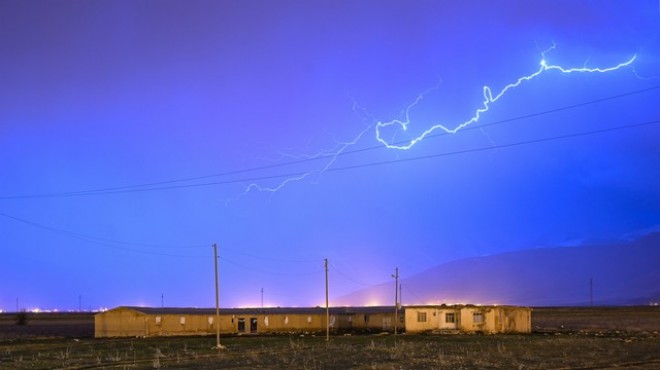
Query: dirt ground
x,y
563,338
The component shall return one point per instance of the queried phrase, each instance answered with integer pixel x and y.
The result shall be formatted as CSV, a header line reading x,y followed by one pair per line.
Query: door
x,y
387,323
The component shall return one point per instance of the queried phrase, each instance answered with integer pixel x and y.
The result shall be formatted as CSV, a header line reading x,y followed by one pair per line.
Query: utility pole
x,y
327,306
396,299
162,300
262,297
79,302
217,300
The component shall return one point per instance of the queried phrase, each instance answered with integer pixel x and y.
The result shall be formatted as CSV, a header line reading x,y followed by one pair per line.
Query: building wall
x,y
470,319
120,323
130,321
515,320
278,323
182,324
478,319
375,321
423,318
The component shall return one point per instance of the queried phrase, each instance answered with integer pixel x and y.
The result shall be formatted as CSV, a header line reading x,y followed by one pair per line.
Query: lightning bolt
x,y
489,98
331,154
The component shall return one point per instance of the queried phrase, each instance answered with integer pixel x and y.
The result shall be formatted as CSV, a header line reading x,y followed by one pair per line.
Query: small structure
x,y
149,321
468,319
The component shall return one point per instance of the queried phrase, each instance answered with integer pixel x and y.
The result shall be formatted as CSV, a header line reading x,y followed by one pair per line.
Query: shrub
x,y
21,318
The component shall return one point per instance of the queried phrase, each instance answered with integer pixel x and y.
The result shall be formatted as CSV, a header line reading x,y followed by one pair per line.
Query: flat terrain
x,y
563,338
595,319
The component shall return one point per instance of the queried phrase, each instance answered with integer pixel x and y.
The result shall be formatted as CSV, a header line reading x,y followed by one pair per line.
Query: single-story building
x,y
468,319
150,321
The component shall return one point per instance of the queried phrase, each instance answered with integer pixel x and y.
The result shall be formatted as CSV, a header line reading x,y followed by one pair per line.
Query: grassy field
x,y
563,338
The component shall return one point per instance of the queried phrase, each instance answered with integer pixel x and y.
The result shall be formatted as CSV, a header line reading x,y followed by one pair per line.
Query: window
x,y
182,320
366,318
450,318
421,316
241,325
478,318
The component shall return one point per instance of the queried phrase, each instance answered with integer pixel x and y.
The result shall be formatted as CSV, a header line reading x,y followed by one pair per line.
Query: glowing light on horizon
x,y
373,302
489,99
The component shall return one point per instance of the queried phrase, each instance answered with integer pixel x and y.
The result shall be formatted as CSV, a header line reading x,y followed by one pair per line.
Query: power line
x,y
364,165
267,272
413,293
251,255
100,239
500,146
110,243
105,241
150,186
334,268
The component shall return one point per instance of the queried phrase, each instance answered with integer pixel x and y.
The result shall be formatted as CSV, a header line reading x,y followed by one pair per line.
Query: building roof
x,y
257,310
461,305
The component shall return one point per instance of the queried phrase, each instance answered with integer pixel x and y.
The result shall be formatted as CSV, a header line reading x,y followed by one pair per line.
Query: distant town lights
x,y
373,302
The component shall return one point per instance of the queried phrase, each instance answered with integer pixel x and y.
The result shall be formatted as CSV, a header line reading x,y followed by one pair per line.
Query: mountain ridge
x,y
618,273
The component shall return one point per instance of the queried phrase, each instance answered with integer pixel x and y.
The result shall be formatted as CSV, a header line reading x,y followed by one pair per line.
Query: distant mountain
x,y
622,273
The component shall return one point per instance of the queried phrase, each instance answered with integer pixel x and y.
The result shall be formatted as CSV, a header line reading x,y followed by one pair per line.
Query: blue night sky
x,y
135,134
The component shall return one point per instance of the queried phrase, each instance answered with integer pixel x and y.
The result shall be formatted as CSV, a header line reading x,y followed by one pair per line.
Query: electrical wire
x,y
289,272
499,146
154,185
421,301
110,243
337,270
230,250
356,166
105,241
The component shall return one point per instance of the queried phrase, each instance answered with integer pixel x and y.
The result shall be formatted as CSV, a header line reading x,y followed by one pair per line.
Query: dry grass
x,y
555,350
638,318
564,339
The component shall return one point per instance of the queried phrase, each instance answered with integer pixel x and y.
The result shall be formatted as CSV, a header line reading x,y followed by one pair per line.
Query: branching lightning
x,y
489,99
331,154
